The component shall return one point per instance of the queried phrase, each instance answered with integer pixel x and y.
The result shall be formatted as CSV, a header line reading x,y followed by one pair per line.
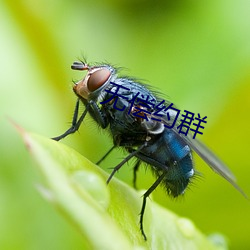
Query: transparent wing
x,y
207,155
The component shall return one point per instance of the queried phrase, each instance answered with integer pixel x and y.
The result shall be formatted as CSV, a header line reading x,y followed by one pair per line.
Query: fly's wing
x,y
207,155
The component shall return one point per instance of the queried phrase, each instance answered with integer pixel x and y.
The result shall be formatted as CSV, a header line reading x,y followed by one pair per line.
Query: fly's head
x,y
95,81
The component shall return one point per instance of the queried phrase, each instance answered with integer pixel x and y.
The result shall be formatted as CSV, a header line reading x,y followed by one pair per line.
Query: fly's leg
x,y
97,114
136,167
145,196
75,124
105,155
125,160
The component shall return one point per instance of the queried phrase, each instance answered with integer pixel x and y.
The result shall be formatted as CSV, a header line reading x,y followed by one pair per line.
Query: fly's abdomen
x,y
178,176
180,165
168,154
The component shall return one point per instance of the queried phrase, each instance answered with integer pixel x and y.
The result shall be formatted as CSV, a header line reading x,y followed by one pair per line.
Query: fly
x,y
113,101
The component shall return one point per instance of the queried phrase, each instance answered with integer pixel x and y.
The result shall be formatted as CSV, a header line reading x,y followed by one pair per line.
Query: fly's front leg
x,y
97,114
75,123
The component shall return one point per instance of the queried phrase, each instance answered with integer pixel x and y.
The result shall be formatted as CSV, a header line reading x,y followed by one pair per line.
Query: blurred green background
x,y
196,53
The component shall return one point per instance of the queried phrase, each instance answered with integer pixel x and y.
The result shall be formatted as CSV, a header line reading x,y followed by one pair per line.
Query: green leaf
x,y
107,215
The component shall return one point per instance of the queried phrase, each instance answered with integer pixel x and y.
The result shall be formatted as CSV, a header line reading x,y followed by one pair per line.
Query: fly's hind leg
x,y
145,196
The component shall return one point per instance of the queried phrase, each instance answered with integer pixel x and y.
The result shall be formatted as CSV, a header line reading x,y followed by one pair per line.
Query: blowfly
x,y
134,116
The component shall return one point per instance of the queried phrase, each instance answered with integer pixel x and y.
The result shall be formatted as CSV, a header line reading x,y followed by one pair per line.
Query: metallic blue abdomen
x,y
168,153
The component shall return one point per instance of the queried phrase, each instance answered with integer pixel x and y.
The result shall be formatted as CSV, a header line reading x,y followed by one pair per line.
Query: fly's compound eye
x,y
97,79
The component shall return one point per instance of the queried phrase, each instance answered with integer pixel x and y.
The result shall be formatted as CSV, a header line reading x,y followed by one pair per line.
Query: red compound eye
x,y
97,79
